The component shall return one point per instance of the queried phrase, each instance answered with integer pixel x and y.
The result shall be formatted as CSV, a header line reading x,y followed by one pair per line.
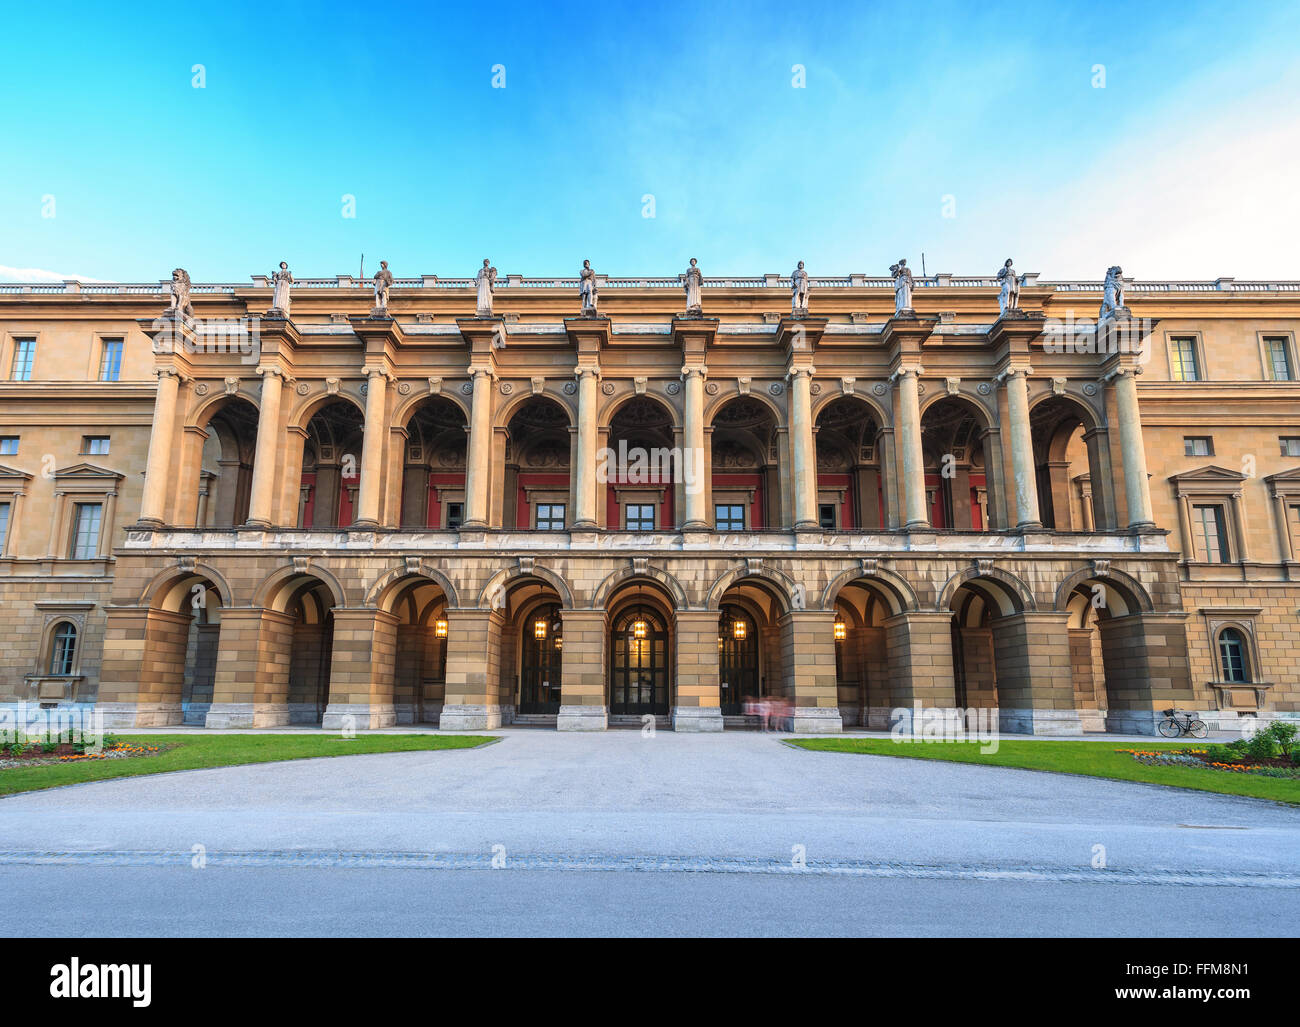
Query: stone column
x,y
1016,381
473,683
478,457
1137,490
268,435
918,648
157,480
808,661
1146,669
582,673
803,451
363,668
142,674
584,474
372,448
251,682
1031,652
693,450
696,672
915,512
106,522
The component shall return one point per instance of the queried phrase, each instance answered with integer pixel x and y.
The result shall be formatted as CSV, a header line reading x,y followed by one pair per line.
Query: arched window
x,y
1233,661
63,653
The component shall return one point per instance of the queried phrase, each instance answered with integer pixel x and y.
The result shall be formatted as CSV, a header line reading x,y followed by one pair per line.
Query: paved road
x,y
617,833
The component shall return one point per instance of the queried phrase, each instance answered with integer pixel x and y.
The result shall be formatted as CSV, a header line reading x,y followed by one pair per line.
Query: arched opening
x,y
750,655
639,492
541,659
420,661
1071,488
865,669
185,642
433,475
63,649
226,472
640,652
744,479
310,606
1234,658
538,457
957,457
331,466
850,487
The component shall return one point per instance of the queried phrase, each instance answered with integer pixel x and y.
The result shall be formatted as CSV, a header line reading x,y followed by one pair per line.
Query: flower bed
x,y
38,752
1267,766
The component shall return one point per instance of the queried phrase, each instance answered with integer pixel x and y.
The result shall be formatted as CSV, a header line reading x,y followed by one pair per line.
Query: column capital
x,y
1119,371
1014,371
474,370
795,370
580,370
275,370
906,371
690,370
172,372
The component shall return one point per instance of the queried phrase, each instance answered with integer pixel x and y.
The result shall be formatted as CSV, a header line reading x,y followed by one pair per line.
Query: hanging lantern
x,y
539,628
440,628
640,628
559,642
841,630
738,630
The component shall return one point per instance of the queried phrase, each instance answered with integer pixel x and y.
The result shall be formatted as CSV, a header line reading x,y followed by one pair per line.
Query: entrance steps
x,y
743,722
534,720
630,720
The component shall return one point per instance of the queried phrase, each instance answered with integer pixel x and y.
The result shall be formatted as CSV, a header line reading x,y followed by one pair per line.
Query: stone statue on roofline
x,y
179,306
1009,294
694,285
484,281
587,290
282,282
1112,294
902,276
800,286
383,282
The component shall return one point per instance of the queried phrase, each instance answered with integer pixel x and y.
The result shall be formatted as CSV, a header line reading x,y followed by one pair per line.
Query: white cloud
x,y
36,274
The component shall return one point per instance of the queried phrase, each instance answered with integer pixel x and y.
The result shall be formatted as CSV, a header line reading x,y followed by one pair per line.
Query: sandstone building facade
x,y
411,515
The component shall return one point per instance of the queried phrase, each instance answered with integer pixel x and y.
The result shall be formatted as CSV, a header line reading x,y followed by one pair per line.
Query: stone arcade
x,y
393,501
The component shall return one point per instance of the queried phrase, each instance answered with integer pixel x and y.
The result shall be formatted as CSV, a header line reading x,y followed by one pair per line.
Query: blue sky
x,y
1183,165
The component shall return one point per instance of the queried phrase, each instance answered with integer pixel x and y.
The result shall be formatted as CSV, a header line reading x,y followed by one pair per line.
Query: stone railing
x,y
259,541
674,282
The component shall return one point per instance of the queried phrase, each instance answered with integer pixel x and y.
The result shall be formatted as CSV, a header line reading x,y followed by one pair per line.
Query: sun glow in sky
x,y
1070,136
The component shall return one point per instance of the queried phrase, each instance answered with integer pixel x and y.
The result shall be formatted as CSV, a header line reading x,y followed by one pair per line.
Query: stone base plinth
x,y
143,714
304,713
467,717
1133,722
1039,722
223,715
358,716
816,720
196,713
582,718
702,719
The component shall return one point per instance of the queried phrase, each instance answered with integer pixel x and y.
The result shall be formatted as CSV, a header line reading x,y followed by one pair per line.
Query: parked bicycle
x,y
1180,722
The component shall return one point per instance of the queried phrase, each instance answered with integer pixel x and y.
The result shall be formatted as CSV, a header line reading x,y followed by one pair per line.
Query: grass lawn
x,y
1093,759
196,752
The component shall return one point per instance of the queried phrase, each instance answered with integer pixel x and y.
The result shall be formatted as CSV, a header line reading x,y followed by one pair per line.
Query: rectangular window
x,y
1279,357
8,445
639,517
455,515
24,354
729,517
1290,445
94,445
110,363
1183,366
1198,445
85,537
4,524
826,516
1211,533
550,516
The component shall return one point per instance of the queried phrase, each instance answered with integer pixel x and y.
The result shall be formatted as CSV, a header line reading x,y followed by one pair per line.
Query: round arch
x,y
984,414
300,416
209,406
1088,416
896,591
512,406
616,579
1133,595
820,403
273,592
163,590
507,577
1006,591
607,413
783,587
391,583
716,403
409,405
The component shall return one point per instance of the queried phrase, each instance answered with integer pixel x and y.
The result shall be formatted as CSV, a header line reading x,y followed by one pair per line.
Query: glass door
x,y
541,661
639,664
737,660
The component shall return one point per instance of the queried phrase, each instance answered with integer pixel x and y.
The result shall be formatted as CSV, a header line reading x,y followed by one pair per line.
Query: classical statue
x,y
1009,297
902,276
180,300
485,280
800,286
1112,292
383,282
587,290
281,280
694,282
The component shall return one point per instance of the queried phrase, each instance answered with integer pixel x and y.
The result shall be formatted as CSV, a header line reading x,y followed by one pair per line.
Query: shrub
x,y
1261,746
1283,734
